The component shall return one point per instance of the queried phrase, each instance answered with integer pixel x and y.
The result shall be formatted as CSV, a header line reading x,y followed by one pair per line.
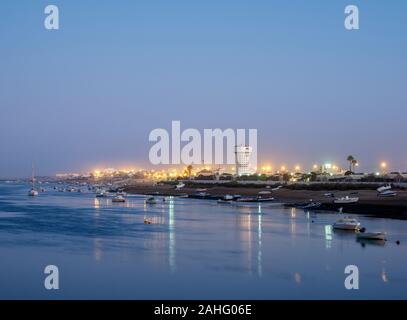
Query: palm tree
x,y
350,159
354,163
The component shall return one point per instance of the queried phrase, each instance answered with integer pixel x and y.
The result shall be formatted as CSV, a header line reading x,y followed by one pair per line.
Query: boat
x,y
146,221
179,186
254,199
102,194
311,205
347,223
384,188
387,193
260,199
182,195
121,193
118,199
346,200
277,188
371,236
225,201
32,192
264,192
151,200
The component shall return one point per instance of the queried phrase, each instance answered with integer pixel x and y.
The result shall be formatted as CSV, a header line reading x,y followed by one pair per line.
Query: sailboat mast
x,y
32,175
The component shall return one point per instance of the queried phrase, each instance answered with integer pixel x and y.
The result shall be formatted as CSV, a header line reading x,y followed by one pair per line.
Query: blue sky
x,y
90,93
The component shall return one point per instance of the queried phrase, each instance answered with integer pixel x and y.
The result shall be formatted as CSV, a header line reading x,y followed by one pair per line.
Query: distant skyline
x,y
88,95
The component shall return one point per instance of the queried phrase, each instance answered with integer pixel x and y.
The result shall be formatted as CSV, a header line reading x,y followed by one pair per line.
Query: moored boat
x,y
387,193
346,200
347,223
151,200
118,198
371,236
33,192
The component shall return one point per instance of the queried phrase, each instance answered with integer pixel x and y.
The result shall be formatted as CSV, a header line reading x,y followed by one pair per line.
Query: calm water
x,y
194,250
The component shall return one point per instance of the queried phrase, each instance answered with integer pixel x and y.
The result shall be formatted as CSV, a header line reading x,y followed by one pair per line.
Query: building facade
x,y
242,154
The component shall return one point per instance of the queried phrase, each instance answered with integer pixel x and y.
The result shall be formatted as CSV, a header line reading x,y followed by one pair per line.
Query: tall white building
x,y
242,154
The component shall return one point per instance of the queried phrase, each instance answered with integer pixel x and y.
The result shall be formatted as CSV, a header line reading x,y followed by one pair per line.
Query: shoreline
x,y
369,204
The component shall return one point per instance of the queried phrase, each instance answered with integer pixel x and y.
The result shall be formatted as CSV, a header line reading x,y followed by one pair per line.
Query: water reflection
x,y
384,276
297,278
293,215
171,234
259,246
97,249
96,203
328,236
250,241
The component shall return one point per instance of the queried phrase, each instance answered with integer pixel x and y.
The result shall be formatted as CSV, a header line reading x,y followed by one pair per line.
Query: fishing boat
x,y
32,192
151,200
347,223
346,200
371,236
387,193
118,199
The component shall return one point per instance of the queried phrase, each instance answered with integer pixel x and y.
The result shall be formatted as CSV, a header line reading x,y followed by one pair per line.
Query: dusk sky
x,y
89,94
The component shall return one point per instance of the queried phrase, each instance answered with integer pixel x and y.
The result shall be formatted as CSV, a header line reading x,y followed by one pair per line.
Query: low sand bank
x,y
369,203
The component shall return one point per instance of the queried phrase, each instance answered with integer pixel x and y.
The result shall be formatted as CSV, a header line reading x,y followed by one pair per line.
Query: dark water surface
x,y
195,249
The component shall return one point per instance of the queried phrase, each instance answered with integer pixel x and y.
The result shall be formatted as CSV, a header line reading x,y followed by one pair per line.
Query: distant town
x,y
326,172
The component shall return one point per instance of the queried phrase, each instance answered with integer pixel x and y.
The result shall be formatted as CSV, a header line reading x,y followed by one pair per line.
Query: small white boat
x,y
102,194
347,224
384,188
118,199
371,236
33,193
151,200
179,186
347,199
277,188
121,193
264,192
387,193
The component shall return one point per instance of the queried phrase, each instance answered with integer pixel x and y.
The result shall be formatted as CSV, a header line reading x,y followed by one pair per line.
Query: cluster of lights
x,y
195,171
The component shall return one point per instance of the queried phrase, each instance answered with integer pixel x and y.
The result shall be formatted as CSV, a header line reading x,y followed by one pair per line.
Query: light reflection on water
x,y
191,249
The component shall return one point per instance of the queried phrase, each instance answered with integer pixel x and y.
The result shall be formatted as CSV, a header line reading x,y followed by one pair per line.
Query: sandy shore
x,y
369,203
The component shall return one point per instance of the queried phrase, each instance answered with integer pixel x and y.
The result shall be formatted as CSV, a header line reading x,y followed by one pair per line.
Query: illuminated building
x,y
242,154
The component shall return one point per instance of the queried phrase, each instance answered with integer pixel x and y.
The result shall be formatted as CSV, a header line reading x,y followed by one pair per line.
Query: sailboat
x,y
32,192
